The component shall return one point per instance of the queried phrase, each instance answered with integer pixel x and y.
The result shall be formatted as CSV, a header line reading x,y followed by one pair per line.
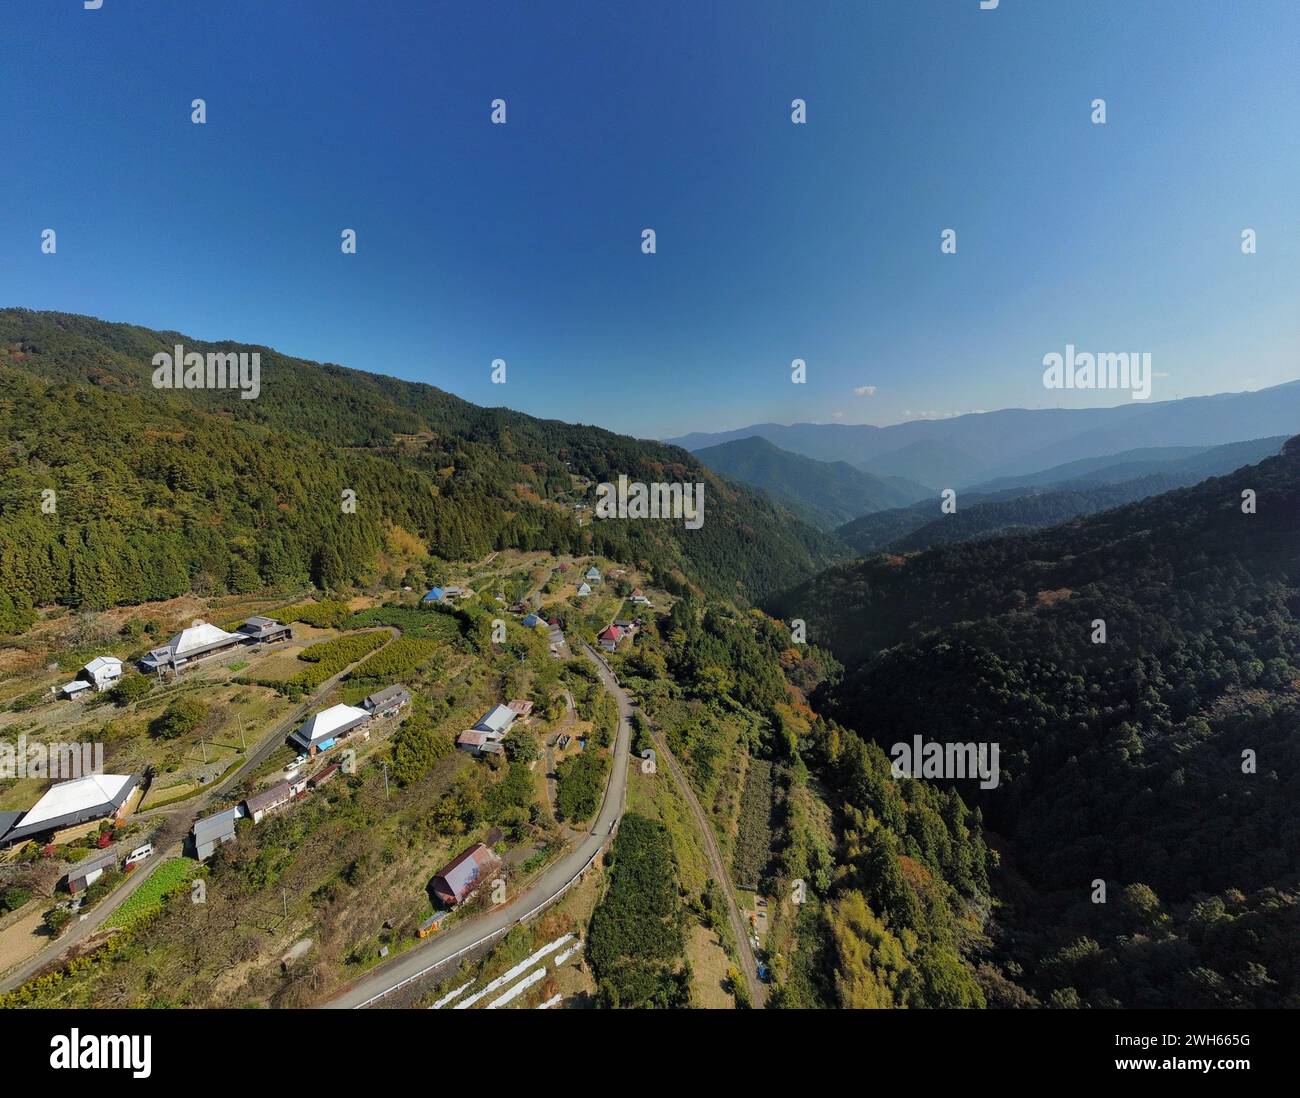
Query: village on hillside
x,y
437,744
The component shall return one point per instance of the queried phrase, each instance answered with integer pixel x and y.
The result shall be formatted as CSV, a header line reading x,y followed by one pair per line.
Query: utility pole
x,y
285,893
385,766
203,742
242,747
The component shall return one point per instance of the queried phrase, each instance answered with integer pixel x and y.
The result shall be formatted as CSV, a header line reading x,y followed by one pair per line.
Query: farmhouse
x,y
67,806
101,672
434,594
269,800
478,742
211,831
638,596
260,630
197,642
320,731
496,720
609,637
592,575
81,877
584,590
386,702
98,675
455,881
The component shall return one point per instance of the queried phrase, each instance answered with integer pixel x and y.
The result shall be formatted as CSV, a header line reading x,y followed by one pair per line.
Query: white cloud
x,y
865,391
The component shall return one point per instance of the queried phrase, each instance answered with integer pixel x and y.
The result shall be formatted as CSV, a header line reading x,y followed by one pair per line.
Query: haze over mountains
x,y
825,494
969,449
1052,496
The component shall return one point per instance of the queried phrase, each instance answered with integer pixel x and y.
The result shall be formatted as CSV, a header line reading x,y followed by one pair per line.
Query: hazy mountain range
x,y
980,447
823,493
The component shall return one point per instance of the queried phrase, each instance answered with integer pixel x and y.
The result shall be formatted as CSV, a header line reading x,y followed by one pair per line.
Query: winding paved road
x,y
464,937
169,839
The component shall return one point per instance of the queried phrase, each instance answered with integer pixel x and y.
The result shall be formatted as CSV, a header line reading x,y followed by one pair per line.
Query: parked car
x,y
139,854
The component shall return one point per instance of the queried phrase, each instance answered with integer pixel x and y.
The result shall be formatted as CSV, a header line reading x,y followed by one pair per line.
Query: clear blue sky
x,y
775,241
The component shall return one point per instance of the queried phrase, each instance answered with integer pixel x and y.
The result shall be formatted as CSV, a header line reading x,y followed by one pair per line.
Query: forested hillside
x,y
1161,759
895,883
158,491
825,493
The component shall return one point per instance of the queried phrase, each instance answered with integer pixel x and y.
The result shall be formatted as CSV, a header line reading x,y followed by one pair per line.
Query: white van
x,y
139,854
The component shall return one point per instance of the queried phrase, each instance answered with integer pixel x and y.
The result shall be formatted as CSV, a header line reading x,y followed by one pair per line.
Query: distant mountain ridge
x,y
1031,506
825,494
968,449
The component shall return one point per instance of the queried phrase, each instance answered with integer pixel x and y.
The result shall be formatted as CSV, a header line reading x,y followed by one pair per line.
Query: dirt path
x,y
748,963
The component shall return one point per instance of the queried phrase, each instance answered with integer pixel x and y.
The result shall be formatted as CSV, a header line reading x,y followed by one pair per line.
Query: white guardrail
x,y
487,937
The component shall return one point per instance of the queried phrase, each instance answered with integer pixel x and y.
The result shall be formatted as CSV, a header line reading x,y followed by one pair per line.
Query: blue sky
x,y
775,241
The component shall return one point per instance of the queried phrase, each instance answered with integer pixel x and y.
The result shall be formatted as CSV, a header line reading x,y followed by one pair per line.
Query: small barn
x,y
82,876
211,831
458,879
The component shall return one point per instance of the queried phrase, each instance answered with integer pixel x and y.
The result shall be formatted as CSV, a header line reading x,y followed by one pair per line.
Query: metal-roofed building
x,y
211,831
101,672
453,883
69,804
319,731
199,640
497,720
81,877
268,800
386,702
262,630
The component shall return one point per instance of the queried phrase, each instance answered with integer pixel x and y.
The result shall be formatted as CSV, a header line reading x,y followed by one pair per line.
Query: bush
x,y
580,779
520,745
56,919
330,657
178,718
13,897
131,688
326,614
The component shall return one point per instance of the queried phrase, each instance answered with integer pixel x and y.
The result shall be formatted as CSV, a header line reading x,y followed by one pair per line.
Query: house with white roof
x,y
199,640
68,805
497,721
584,590
102,672
320,731
592,574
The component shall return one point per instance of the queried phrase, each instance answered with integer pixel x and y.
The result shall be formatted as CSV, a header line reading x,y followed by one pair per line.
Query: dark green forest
x,y
1161,759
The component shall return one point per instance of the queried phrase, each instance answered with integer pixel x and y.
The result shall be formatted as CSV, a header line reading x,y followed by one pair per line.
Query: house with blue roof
x,y
435,594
